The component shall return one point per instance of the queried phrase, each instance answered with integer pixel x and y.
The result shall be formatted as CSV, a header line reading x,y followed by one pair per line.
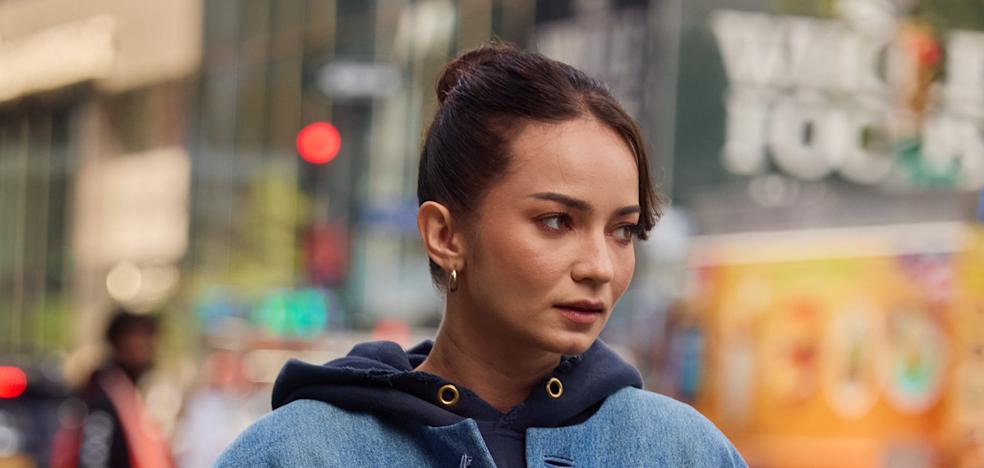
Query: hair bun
x,y
466,66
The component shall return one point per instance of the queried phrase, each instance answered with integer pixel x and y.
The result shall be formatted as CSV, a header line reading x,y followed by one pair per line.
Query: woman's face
x,y
550,251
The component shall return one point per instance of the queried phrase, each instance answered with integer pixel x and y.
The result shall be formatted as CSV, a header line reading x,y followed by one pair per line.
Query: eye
x,y
625,233
555,222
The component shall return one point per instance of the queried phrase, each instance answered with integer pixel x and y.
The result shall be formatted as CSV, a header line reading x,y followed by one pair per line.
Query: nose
x,y
594,262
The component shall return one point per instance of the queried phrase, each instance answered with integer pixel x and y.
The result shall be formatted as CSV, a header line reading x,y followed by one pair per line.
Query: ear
x,y
443,241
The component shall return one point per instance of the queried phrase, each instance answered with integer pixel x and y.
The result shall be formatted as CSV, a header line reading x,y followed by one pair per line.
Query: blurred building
x,y
94,174
94,184
148,158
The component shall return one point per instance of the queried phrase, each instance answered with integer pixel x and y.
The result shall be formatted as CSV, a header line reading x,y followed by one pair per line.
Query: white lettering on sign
x,y
819,97
963,91
751,46
953,141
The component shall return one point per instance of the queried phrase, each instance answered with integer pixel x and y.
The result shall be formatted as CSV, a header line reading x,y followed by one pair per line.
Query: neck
x,y
496,369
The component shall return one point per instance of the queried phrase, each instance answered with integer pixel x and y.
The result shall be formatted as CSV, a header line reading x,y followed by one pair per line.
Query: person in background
x,y
215,414
533,186
116,430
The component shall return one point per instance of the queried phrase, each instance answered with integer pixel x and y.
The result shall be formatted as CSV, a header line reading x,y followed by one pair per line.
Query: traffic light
x,y
318,142
13,382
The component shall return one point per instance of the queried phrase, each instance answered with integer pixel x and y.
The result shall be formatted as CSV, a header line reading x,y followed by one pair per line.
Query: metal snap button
x,y
555,388
448,395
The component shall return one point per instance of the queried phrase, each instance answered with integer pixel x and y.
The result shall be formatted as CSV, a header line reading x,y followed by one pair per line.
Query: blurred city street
x,y
243,175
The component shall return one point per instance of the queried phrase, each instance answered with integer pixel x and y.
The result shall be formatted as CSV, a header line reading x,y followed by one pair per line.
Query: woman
x,y
533,185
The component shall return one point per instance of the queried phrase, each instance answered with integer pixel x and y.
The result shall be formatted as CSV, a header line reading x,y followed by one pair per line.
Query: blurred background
x,y
245,170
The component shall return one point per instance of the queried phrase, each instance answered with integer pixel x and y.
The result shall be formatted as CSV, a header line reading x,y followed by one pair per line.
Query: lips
x,y
583,312
585,306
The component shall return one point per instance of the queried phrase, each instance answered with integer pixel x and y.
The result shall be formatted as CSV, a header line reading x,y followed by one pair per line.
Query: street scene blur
x,y
193,192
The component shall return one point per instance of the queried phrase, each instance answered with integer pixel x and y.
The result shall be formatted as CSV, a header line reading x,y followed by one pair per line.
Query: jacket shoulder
x,y
671,425
666,409
314,433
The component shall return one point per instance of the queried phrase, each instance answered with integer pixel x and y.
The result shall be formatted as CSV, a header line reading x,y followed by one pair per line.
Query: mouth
x,y
582,312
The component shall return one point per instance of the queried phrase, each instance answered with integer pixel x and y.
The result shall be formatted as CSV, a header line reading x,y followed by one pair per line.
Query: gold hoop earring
x,y
453,281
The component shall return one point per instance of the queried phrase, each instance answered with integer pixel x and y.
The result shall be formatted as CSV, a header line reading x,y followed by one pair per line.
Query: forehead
x,y
583,158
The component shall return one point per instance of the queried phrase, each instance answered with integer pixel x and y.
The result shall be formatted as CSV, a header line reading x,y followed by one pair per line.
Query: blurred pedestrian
x,y
116,430
533,186
216,413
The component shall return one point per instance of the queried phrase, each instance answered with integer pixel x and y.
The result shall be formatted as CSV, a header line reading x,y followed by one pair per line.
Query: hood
x,y
379,378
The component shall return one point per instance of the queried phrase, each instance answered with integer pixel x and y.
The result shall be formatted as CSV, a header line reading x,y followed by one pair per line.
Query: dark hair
x,y
486,97
124,322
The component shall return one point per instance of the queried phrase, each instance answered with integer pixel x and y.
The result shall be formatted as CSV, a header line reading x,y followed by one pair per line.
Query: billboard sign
x,y
873,96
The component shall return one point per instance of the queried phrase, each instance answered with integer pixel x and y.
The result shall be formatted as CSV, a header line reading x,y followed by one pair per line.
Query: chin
x,y
570,343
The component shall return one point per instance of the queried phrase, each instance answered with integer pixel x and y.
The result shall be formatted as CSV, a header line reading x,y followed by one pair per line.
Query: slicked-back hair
x,y
487,96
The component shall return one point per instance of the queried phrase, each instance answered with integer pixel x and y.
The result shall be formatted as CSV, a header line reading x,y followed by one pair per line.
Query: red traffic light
x,y
318,143
13,382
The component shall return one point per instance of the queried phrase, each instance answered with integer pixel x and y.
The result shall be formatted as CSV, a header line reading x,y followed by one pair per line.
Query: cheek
x,y
536,267
626,268
518,257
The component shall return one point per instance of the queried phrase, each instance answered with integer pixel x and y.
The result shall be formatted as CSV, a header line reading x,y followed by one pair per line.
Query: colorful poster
x,y
916,358
852,368
791,348
849,354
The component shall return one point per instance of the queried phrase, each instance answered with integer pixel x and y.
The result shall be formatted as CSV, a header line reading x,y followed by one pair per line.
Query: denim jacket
x,y
632,427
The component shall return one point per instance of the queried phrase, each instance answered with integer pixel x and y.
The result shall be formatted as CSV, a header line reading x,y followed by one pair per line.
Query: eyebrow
x,y
580,205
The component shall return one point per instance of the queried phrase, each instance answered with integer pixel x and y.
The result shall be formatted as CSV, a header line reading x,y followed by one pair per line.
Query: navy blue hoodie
x,y
379,378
